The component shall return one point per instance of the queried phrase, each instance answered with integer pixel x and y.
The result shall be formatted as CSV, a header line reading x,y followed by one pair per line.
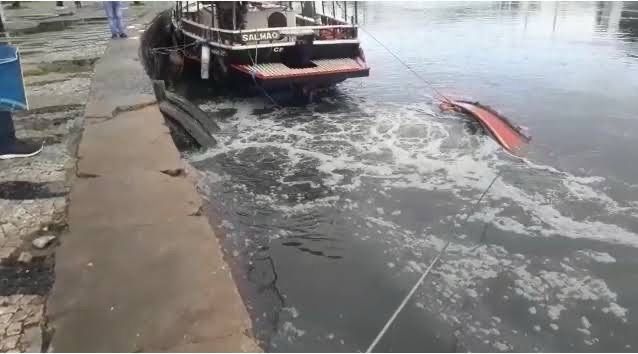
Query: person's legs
x,y
10,146
110,13
7,131
119,21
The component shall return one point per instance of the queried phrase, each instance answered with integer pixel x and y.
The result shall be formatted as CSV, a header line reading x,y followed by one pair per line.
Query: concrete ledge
x,y
139,268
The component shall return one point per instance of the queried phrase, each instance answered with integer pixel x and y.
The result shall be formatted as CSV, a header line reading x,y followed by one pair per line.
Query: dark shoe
x,y
19,149
113,36
123,35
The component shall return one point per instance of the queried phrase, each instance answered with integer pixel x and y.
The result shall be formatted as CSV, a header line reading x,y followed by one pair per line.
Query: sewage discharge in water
x,y
331,211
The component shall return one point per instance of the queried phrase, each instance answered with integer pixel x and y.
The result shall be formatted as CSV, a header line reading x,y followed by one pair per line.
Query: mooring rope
x,y
253,73
445,98
426,272
175,48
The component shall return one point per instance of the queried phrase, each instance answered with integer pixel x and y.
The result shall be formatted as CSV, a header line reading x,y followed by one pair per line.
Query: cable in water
x,y
426,272
407,66
253,73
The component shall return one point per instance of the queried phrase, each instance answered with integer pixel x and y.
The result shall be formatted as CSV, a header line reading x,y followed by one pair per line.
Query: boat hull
x,y
269,67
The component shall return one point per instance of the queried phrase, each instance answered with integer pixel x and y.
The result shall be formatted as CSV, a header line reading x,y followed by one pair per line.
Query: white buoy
x,y
205,61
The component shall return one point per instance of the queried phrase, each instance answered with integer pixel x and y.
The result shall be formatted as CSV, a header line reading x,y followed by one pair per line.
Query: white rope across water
x,y
405,300
425,273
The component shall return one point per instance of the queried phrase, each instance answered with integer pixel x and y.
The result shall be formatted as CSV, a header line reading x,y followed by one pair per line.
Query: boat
x,y
273,45
510,136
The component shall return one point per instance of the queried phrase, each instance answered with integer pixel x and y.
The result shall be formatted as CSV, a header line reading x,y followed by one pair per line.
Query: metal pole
x,y
234,18
215,19
356,14
345,11
334,13
323,8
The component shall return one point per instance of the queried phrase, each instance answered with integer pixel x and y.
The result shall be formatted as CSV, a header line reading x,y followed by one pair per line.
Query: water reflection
x,y
628,21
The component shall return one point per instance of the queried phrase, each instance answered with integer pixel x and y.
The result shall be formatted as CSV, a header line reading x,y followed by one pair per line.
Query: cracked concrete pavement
x,y
139,269
58,58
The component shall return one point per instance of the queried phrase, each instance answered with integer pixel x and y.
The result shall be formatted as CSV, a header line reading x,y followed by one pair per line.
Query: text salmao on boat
x,y
272,44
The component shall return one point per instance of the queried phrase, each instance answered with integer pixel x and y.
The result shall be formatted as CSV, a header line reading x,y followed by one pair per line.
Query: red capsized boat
x,y
508,135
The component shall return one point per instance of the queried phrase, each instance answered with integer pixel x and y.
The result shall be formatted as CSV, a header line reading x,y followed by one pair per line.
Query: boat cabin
x,y
273,43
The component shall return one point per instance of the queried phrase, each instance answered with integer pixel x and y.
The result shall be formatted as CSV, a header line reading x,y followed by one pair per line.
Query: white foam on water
x,y
421,157
501,346
398,148
532,310
289,330
547,221
465,272
616,310
553,311
292,311
304,207
383,223
600,257
584,331
227,225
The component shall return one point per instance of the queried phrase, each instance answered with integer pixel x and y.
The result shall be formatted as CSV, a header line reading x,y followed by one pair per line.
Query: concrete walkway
x,y
140,269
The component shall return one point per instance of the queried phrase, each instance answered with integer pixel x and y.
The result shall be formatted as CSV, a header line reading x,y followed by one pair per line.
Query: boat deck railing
x,y
330,31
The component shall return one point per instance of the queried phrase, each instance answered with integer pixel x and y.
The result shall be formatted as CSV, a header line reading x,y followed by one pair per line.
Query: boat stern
x,y
318,72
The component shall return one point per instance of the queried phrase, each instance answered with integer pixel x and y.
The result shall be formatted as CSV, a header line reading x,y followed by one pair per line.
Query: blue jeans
x,y
114,13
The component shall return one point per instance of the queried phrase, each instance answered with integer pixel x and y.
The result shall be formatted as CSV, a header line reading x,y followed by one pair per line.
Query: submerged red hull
x,y
505,133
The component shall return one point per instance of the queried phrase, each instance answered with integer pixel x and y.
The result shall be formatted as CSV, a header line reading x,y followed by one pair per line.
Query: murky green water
x,y
331,211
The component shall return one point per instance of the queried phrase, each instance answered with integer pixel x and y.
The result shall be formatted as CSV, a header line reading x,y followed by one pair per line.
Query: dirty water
x,y
330,212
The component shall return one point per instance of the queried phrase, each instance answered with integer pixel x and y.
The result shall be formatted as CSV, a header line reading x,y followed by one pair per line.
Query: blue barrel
x,y
12,93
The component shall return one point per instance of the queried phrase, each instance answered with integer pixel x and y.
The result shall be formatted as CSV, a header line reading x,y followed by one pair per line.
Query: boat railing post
x,y
356,14
334,12
323,8
345,11
213,7
234,18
